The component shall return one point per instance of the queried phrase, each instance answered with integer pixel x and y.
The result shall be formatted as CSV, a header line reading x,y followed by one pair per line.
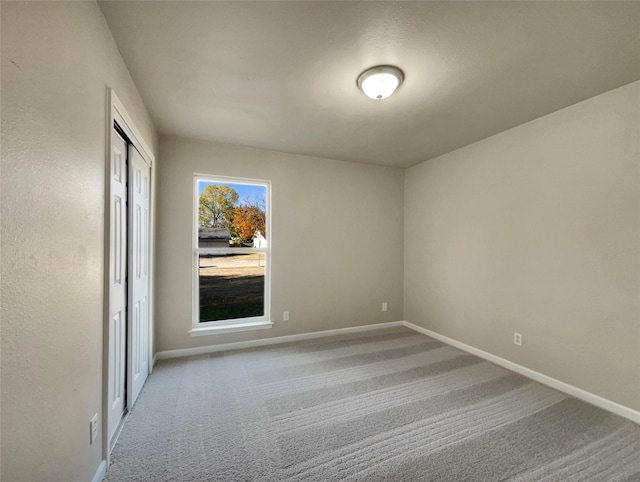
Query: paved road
x,y
230,263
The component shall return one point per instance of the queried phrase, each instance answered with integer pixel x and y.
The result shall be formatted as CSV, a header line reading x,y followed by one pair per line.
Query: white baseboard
x,y
576,392
101,472
202,350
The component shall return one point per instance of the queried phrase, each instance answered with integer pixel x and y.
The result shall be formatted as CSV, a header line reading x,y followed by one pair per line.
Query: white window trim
x,y
239,324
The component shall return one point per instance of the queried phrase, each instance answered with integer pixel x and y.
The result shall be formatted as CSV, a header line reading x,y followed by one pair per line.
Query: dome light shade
x,y
380,82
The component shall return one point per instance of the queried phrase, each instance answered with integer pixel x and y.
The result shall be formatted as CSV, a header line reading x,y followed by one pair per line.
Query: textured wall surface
x,y
58,58
537,230
337,239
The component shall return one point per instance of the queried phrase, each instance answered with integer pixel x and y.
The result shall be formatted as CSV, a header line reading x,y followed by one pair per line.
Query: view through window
x,y
231,251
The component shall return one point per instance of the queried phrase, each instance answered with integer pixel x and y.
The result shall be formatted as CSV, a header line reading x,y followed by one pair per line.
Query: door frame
x,y
116,113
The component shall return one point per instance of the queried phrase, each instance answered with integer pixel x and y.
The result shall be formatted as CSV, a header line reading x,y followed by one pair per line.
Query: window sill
x,y
230,328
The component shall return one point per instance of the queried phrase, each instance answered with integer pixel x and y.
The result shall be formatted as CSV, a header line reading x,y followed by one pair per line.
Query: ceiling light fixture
x,y
380,82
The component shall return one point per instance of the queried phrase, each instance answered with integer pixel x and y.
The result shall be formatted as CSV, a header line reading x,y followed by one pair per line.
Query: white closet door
x,y
118,282
139,196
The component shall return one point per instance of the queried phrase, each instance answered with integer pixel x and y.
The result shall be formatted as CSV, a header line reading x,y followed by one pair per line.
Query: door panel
x,y
139,275
117,280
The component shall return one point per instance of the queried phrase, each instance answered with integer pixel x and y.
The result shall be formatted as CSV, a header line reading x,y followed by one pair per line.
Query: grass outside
x,y
231,287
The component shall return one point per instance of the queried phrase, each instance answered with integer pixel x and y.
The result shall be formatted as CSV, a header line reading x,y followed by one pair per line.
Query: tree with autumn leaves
x,y
218,208
247,221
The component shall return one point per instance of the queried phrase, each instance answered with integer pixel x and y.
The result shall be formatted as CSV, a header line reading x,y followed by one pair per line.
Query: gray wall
x,y
537,230
337,232
57,60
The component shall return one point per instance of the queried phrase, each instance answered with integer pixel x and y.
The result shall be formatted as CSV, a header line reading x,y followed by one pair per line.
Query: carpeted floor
x,y
384,405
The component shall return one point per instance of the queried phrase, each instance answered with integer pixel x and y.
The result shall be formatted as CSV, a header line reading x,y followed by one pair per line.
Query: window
x,y
231,254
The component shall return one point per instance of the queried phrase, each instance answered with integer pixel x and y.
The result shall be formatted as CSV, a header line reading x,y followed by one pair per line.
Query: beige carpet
x,y
385,405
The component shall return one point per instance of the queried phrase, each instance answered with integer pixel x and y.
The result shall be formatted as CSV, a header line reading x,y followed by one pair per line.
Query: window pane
x,y
231,286
231,215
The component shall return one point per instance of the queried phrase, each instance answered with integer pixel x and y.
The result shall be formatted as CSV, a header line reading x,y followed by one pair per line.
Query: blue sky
x,y
244,190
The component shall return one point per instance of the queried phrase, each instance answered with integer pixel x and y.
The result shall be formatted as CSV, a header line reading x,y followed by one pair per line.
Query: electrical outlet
x,y
384,306
285,316
517,339
93,427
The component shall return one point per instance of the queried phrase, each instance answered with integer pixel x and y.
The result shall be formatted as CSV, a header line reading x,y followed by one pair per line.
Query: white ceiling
x,y
282,75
